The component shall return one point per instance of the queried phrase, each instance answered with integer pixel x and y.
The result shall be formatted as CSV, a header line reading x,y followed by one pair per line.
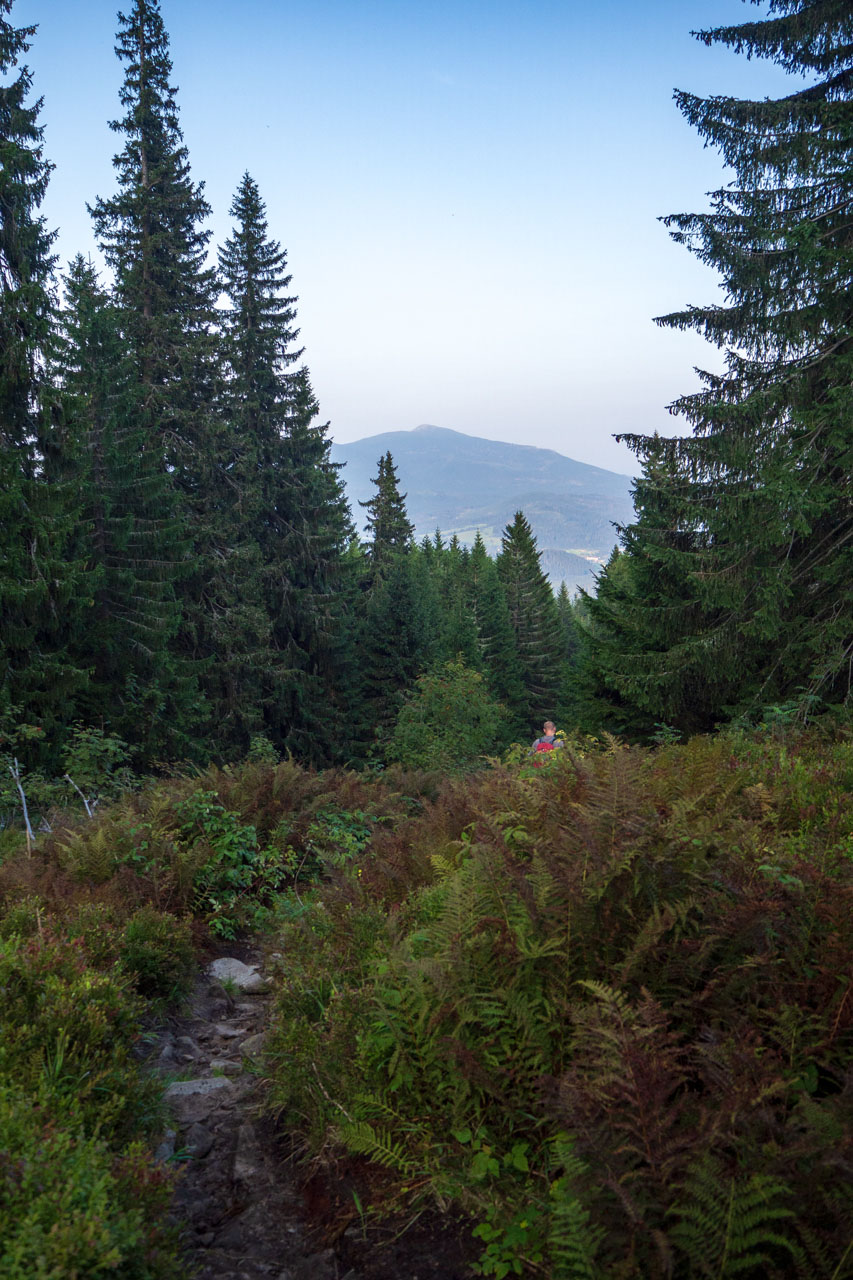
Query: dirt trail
x,y
246,1212
240,1204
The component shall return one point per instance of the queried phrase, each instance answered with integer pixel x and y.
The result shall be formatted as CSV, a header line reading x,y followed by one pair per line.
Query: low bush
x,y
71,1206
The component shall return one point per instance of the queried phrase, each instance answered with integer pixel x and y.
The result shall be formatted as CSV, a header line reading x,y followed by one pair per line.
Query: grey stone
x,y
189,1088
226,1032
248,1158
167,1053
319,1266
244,977
191,1101
199,1141
253,1046
187,1047
166,1149
228,1066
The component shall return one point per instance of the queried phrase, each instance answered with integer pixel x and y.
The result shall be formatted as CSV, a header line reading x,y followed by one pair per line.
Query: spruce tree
x,y
43,585
534,619
389,529
152,235
742,554
257,349
289,523
399,640
124,532
315,626
449,568
495,636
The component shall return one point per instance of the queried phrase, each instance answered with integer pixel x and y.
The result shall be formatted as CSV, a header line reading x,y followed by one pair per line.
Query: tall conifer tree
x,y
389,530
533,617
124,642
42,584
495,635
290,522
152,235
742,554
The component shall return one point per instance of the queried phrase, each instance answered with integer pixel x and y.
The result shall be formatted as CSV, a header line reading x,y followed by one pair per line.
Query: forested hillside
x,y
586,1014
464,484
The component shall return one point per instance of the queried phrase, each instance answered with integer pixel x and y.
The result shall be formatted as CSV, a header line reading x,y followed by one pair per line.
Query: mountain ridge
x,y
459,483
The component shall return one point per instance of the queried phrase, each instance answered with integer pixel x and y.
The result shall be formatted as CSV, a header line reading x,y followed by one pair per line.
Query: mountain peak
x,y
460,483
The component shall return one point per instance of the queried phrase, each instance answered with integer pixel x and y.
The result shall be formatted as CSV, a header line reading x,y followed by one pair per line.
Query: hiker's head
x,y
550,728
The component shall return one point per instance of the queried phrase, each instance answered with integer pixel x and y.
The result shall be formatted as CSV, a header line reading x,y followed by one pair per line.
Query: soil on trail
x,y
245,1211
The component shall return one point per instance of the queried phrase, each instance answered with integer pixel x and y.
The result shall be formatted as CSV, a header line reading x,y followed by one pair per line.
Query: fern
x,y
728,1226
378,1145
573,1241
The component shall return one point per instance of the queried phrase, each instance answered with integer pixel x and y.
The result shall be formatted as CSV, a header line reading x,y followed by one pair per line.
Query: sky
x,y
468,192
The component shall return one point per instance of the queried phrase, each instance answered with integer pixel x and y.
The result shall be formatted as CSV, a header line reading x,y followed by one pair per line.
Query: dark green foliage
x,y
539,635
152,236
129,530
43,581
80,1193
71,1206
314,623
495,636
400,629
258,336
449,722
389,530
285,512
737,589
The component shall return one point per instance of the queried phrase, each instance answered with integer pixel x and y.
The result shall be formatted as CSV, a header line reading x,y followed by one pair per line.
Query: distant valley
x,y
459,483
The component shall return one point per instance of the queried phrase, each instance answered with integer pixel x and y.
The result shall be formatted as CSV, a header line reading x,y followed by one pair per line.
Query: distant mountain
x,y
459,484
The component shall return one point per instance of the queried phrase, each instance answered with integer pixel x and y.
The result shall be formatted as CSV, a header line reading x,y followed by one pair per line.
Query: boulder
x,y
244,977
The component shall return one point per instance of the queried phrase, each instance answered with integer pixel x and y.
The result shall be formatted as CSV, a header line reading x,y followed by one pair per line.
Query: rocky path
x,y
238,1201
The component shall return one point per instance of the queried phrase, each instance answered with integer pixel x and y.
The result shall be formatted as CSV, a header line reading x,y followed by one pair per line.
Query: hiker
x,y
549,740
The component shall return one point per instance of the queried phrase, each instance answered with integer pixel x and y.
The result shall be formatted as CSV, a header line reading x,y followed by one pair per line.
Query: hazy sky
x,y
467,190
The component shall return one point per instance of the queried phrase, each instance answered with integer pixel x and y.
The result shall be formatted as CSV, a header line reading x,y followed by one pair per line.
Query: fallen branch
x,y
68,778
16,775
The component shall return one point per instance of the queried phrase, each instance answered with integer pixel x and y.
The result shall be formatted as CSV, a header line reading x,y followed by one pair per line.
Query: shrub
x,y
71,1207
450,722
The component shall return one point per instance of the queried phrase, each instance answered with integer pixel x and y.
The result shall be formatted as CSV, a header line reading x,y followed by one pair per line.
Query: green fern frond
x,y
378,1145
727,1225
665,917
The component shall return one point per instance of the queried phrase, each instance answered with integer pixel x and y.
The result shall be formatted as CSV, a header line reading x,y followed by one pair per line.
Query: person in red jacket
x,y
549,740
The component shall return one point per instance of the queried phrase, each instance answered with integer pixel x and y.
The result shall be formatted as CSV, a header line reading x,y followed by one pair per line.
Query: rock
x,y
218,995
228,1066
244,977
253,1046
193,1100
167,1053
199,1141
166,1149
248,1158
225,1032
187,1048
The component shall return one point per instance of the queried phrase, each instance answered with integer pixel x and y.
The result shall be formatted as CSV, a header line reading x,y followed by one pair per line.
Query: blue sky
x,y
468,192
